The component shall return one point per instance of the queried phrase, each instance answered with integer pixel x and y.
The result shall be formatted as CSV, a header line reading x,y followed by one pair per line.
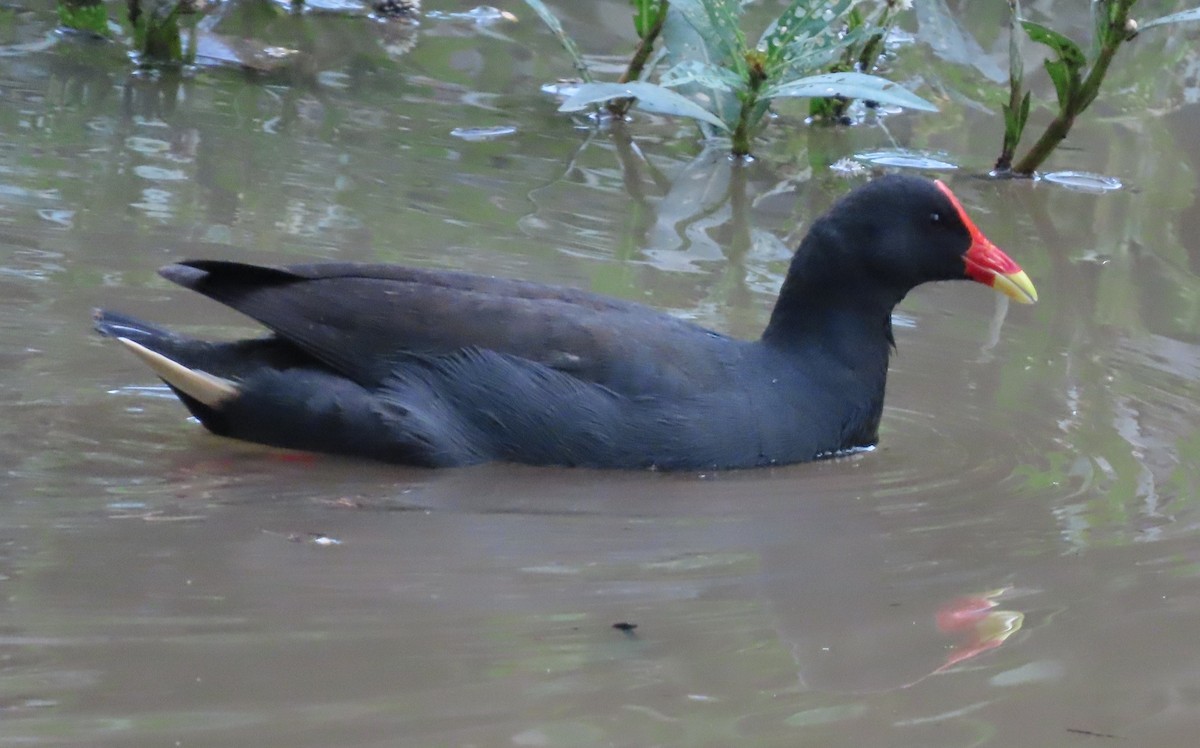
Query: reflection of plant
x,y
1076,76
724,83
156,31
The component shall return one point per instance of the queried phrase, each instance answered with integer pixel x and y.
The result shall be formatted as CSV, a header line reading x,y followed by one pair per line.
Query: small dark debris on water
x,y
625,627
1091,734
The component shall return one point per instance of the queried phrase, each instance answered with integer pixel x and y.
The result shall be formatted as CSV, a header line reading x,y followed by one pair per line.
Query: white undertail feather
x,y
200,385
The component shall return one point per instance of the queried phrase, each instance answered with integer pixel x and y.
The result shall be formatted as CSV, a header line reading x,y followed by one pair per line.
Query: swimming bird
x,y
437,368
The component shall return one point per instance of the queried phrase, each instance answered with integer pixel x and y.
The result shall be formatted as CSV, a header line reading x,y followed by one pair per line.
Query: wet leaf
x,y
684,43
716,21
803,20
1180,17
650,97
851,86
807,56
709,76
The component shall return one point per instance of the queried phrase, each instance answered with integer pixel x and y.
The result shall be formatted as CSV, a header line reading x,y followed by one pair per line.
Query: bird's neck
x,y
829,303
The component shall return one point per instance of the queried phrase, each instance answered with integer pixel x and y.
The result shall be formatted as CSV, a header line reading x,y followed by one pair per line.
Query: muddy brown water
x,y
1015,564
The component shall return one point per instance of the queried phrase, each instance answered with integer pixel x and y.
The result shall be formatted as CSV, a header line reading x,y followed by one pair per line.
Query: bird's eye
x,y
935,217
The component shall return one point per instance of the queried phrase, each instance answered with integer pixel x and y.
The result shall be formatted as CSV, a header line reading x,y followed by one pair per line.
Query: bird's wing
x,y
360,319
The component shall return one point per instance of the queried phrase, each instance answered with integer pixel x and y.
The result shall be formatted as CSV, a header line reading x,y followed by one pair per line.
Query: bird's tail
x,y
176,360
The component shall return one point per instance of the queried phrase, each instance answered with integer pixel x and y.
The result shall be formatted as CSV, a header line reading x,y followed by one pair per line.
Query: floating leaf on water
x,y
1083,181
906,159
850,86
483,133
651,97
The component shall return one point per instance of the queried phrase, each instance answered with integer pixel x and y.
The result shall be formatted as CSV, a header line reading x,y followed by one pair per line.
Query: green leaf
x,y
566,41
709,76
641,17
683,42
803,19
1068,63
850,86
650,97
717,23
1180,17
645,14
1065,49
1014,121
809,55
1065,85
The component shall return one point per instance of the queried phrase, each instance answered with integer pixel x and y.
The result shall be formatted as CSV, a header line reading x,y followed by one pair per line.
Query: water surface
x,y
1014,565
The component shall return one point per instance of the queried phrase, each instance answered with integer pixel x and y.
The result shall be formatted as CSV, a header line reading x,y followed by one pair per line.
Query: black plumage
x,y
442,368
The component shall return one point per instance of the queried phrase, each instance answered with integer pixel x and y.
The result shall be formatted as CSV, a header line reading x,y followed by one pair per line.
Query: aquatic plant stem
x,y
1016,112
638,62
619,107
1115,30
749,114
